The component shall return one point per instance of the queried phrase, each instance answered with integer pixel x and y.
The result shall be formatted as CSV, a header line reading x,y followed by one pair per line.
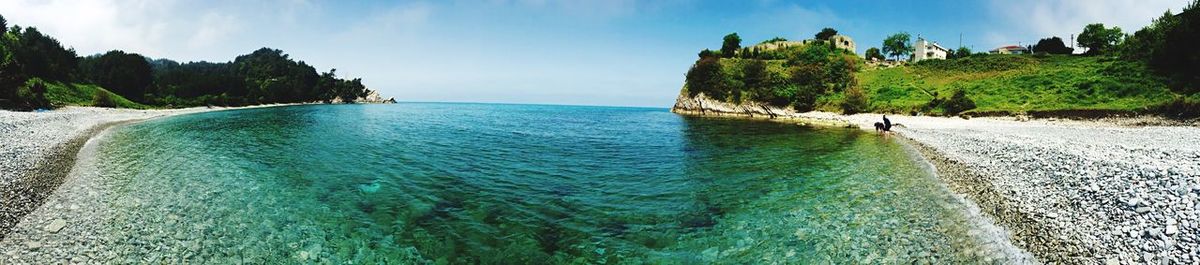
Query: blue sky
x,y
590,52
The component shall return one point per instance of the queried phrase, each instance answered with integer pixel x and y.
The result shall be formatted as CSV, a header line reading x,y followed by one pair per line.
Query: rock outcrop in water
x,y
704,105
373,97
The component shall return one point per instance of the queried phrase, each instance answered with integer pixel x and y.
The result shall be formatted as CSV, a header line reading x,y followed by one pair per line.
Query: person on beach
x,y
883,127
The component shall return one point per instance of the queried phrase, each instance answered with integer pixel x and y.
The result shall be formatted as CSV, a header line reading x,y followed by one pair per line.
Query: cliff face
x,y
704,105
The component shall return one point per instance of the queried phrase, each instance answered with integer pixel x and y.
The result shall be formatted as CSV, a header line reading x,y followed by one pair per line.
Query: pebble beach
x,y
1075,192
1122,190
39,149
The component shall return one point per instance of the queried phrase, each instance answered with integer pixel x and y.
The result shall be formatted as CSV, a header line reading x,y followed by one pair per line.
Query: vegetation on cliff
x,y
795,76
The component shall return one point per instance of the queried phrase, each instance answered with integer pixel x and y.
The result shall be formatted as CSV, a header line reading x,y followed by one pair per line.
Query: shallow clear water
x,y
486,183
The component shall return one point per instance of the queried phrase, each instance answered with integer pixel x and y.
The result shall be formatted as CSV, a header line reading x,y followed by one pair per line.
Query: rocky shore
x,y
37,150
1074,192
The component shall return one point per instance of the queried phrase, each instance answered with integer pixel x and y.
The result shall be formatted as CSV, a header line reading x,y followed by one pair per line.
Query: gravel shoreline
x,y
39,149
1111,191
1074,192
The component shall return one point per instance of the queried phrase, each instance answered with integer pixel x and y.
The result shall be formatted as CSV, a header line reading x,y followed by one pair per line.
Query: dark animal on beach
x,y
883,127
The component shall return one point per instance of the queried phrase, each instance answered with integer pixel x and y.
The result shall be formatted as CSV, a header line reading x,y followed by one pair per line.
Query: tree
x,y
1178,57
1099,39
3,23
826,33
731,44
706,77
42,56
873,53
957,103
1052,45
897,45
351,90
754,75
127,74
271,77
11,75
855,101
809,82
707,53
1150,39
961,52
327,85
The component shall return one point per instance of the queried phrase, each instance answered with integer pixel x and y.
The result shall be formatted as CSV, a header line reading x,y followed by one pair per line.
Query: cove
x,y
518,184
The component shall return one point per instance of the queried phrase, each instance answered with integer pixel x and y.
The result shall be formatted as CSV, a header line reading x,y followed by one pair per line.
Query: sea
x,y
464,183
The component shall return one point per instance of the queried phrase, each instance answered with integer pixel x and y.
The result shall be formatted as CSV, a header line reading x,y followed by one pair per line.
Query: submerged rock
x,y
369,187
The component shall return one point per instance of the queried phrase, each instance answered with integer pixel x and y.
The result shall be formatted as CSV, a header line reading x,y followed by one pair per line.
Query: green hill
x,y
1007,84
75,94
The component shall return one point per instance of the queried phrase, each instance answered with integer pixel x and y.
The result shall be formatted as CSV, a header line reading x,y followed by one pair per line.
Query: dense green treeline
x,y
33,65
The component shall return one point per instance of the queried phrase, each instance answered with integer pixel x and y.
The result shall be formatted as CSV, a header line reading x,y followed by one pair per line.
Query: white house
x,y
925,50
1011,49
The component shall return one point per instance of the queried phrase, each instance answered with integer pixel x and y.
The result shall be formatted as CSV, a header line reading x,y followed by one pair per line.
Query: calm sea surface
x,y
519,184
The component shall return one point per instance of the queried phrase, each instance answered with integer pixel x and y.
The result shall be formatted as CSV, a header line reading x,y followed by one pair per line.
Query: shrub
x,y
957,103
32,95
103,99
1181,107
855,102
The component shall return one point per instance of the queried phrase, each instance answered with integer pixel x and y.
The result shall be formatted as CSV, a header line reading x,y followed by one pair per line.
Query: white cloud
x,y
214,28
172,29
93,26
593,9
1029,20
792,21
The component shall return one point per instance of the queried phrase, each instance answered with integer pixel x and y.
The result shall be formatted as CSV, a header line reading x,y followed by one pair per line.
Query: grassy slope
x,y
1015,84
75,94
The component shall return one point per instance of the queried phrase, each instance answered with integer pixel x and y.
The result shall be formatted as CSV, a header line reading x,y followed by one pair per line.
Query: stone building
x,y
838,41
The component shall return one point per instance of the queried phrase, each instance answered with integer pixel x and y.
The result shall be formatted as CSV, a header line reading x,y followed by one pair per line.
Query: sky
x,y
576,52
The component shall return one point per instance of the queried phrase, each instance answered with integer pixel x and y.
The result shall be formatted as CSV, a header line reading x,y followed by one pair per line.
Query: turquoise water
x,y
518,184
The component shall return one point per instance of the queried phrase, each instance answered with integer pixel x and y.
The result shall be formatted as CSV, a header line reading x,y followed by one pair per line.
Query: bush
x,y
103,99
32,95
855,102
1181,107
957,103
